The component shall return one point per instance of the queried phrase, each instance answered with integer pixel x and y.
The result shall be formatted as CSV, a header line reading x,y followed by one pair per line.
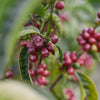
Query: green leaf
x,y
88,90
23,63
28,30
60,53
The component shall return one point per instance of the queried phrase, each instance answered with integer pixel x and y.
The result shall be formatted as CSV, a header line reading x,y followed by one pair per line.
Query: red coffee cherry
x,y
40,71
71,71
68,62
91,31
86,35
29,45
98,45
45,52
23,43
54,39
32,73
98,14
32,50
43,66
82,42
85,30
92,40
60,5
66,55
45,73
96,36
51,48
87,47
33,58
37,24
42,80
46,82
8,74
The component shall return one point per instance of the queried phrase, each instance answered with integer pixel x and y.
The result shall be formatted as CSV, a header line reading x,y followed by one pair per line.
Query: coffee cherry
x,y
43,66
46,82
54,39
66,55
33,58
92,40
76,65
45,73
51,48
98,14
70,71
32,51
97,21
40,71
37,24
29,45
81,62
23,43
74,58
63,64
85,30
96,36
94,48
82,42
79,38
87,47
86,35
42,80
32,73
91,31
8,74
98,45
68,62
39,45
45,52
60,5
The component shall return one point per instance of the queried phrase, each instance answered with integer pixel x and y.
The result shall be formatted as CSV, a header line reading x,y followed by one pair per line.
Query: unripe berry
x,y
87,47
98,14
60,5
97,21
92,40
54,39
23,43
43,66
91,31
94,48
32,73
45,73
33,58
45,52
8,74
51,48
70,71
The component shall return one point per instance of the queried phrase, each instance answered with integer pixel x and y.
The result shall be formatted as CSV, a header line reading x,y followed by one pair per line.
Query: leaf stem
x,y
56,81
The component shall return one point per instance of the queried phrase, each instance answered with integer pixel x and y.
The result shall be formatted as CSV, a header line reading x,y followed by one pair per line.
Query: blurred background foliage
x,y
13,15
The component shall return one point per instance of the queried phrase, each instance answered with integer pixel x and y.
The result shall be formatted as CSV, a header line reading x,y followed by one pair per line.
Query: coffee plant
x,y
42,56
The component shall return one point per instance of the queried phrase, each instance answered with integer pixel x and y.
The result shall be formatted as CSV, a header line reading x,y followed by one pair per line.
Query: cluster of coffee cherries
x,y
70,62
39,75
69,94
39,48
89,40
38,45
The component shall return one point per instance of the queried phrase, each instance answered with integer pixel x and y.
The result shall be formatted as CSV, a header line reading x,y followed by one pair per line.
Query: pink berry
x,y
51,48
43,66
45,73
87,47
70,71
86,35
60,5
40,70
68,62
32,51
54,39
45,52
33,58
42,80
23,43
98,14
92,40
8,74
32,73
91,31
